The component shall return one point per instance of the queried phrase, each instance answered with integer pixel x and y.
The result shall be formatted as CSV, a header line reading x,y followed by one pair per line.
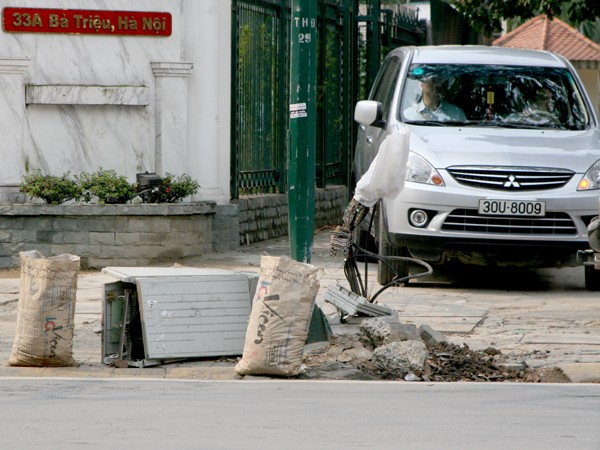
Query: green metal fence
x,y
335,100
259,92
260,61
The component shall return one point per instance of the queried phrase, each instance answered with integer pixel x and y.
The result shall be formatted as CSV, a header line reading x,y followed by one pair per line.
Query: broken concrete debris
x,y
379,350
375,331
400,358
382,330
398,349
430,335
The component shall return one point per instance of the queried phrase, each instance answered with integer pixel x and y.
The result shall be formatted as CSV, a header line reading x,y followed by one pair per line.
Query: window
x,y
384,86
493,95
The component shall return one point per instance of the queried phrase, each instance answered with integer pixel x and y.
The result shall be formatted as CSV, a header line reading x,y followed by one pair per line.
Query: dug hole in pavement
x,y
502,325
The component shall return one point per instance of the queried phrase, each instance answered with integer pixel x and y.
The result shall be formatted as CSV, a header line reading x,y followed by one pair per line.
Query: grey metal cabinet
x,y
152,315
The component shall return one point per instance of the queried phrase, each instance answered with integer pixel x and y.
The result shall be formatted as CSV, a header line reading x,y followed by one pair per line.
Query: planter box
x,y
107,235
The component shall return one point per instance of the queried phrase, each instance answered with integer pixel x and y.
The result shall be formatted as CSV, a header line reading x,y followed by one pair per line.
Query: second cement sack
x,y
281,312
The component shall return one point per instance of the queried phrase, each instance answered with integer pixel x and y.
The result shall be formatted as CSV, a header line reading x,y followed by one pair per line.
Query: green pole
x,y
302,128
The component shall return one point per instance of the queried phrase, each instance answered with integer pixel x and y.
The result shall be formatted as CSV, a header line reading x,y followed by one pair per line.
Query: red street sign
x,y
86,21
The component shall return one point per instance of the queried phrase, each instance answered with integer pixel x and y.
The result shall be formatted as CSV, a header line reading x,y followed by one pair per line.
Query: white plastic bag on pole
x,y
387,172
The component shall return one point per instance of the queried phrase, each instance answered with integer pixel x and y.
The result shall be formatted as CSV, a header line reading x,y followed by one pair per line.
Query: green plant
x,y
107,186
54,190
172,189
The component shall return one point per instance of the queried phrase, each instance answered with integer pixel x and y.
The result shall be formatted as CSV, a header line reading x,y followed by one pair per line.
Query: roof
x,y
480,54
541,33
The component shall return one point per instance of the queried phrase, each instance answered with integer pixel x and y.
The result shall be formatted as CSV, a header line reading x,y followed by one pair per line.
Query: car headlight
x,y
419,170
591,179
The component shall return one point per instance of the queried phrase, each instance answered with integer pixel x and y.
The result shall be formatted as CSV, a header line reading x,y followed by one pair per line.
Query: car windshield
x,y
493,95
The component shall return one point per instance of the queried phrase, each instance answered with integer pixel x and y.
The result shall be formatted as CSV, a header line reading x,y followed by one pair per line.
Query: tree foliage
x,y
485,16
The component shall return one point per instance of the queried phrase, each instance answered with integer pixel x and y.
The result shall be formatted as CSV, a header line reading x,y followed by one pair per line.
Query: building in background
x,y
130,87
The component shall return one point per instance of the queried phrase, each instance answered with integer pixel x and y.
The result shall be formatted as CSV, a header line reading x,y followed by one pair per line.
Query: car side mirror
x,y
370,113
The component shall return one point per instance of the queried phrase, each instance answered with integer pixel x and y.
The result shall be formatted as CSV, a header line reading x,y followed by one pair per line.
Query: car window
x,y
493,95
383,88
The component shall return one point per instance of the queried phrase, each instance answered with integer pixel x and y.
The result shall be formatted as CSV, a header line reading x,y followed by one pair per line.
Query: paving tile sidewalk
x,y
549,320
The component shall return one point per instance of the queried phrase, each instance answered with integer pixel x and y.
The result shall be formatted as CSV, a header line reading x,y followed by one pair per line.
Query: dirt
x,y
14,272
449,362
346,357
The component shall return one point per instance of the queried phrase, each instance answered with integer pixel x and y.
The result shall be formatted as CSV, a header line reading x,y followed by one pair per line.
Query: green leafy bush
x,y
54,190
172,189
107,186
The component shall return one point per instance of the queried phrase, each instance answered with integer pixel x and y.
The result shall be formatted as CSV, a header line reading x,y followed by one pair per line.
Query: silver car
x,y
504,160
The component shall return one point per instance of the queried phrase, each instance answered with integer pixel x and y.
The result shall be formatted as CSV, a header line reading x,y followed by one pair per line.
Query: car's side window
x,y
379,80
383,89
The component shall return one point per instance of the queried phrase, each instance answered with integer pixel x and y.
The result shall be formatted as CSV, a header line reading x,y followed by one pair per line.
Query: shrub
x,y
54,190
107,186
172,189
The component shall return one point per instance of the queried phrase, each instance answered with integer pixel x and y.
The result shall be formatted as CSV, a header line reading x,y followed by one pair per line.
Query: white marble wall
x,y
209,94
81,102
12,114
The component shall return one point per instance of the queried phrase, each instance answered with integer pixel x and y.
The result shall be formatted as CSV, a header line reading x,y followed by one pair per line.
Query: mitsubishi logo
x,y
512,182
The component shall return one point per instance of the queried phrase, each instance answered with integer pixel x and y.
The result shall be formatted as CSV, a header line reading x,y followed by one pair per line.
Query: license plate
x,y
511,208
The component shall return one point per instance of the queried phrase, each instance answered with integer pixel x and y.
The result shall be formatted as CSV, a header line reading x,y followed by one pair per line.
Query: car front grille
x,y
511,178
470,221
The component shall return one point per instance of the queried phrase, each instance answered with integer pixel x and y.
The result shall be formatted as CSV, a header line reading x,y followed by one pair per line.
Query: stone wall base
x,y
107,235
263,217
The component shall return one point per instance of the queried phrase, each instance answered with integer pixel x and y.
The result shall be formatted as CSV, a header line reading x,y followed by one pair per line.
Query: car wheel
x,y
388,270
592,278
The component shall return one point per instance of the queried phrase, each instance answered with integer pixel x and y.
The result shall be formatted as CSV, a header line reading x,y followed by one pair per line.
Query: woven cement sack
x,y
281,312
45,318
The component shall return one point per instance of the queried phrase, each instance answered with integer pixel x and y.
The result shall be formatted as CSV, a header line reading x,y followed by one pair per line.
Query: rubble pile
x,y
449,362
377,350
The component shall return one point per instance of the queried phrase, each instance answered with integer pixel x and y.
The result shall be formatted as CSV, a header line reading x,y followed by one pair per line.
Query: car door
x,y
370,137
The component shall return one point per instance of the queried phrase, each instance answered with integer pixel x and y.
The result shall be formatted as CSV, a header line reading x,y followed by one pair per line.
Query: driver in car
x,y
432,106
541,107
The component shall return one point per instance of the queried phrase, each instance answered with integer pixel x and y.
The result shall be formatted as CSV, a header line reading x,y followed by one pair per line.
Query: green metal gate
x,y
260,78
335,87
259,93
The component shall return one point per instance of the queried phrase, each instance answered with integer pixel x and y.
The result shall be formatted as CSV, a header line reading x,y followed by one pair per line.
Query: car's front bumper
x,y
548,242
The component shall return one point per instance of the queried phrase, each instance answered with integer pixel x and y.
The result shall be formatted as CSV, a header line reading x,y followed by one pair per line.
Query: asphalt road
x,y
147,414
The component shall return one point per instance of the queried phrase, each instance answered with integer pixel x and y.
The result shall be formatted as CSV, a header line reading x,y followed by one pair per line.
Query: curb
x,y
190,373
582,372
578,373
